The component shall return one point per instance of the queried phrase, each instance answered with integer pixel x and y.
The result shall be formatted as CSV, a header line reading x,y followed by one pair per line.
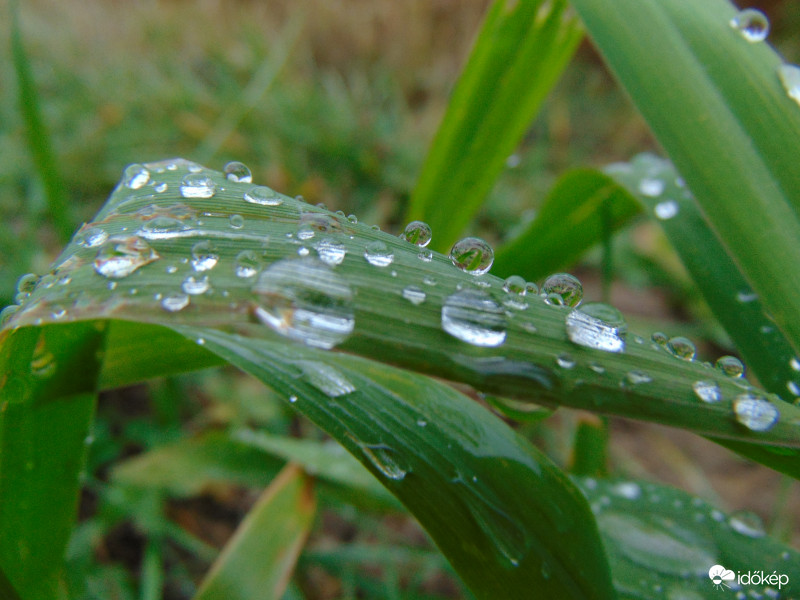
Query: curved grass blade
x,y
661,538
518,56
583,207
259,560
503,515
716,104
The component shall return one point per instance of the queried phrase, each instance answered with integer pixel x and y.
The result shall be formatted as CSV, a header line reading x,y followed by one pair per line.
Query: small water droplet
x,y
92,237
262,195
629,490
417,233
472,255
422,423
236,221
377,254
26,284
473,317
247,264
204,257
637,377
745,296
565,361
751,24
428,280
135,176
305,233
666,210
414,294
651,187
660,338
790,79
682,348
161,187
238,172
175,302
515,285
352,219
305,300
195,286
425,255
730,365
197,185
326,378
597,325
562,289
161,227
793,387
292,399
122,255
707,391
747,523
331,251
755,412
303,251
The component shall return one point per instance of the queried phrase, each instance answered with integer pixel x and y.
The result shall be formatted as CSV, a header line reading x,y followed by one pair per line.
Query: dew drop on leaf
x,y
238,172
91,238
378,254
195,286
682,347
666,210
247,264
751,24
204,257
472,255
730,365
473,317
326,378
197,185
597,325
565,361
236,221
135,176
331,251
630,490
263,196
562,289
425,255
790,79
755,412
414,294
175,302
747,523
382,458
303,299
651,187
122,255
637,377
417,233
707,390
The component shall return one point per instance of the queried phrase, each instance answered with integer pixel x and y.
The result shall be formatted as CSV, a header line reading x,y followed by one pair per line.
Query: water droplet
x,y
162,227
422,423
731,366
707,391
629,490
666,210
8,312
747,523
381,457
597,368
175,302
331,251
292,399
417,233
745,296
660,338
305,233
790,79
794,363
562,289
91,238
428,280
161,187
122,255
565,361
247,264
27,283
755,413
473,317
637,377
472,255
414,294
352,219
197,185
238,172
793,387
320,222
304,300
425,255
262,195
204,258
303,251
194,286
377,254
237,221
682,348
515,285
135,176
651,187
597,325
751,24
327,379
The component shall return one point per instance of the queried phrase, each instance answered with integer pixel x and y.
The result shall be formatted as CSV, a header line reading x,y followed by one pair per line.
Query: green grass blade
x,y
260,558
740,311
44,159
661,538
519,54
47,404
717,106
583,207
501,513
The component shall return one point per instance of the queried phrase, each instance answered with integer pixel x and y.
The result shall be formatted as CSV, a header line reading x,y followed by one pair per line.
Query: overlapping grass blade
x,y
716,104
519,54
584,206
259,559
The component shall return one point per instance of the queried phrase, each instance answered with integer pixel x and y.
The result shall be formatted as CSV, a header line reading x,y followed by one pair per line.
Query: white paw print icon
x,y
719,575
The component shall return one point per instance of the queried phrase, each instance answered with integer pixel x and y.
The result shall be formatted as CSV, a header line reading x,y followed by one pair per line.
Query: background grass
x,y
345,121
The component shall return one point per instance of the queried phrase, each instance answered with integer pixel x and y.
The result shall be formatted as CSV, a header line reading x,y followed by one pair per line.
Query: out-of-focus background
x,y
335,100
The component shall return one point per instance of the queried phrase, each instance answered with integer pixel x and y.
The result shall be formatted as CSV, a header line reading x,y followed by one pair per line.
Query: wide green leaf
x,y
717,105
518,56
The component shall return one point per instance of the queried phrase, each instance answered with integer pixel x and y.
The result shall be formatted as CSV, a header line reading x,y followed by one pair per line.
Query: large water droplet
x,y
666,210
473,317
122,255
327,379
417,233
247,264
262,195
682,347
731,366
238,172
331,251
377,254
135,176
755,413
790,78
91,238
752,24
204,256
707,391
472,255
162,227
597,325
175,302
414,294
304,300
747,523
562,289
197,185
195,286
